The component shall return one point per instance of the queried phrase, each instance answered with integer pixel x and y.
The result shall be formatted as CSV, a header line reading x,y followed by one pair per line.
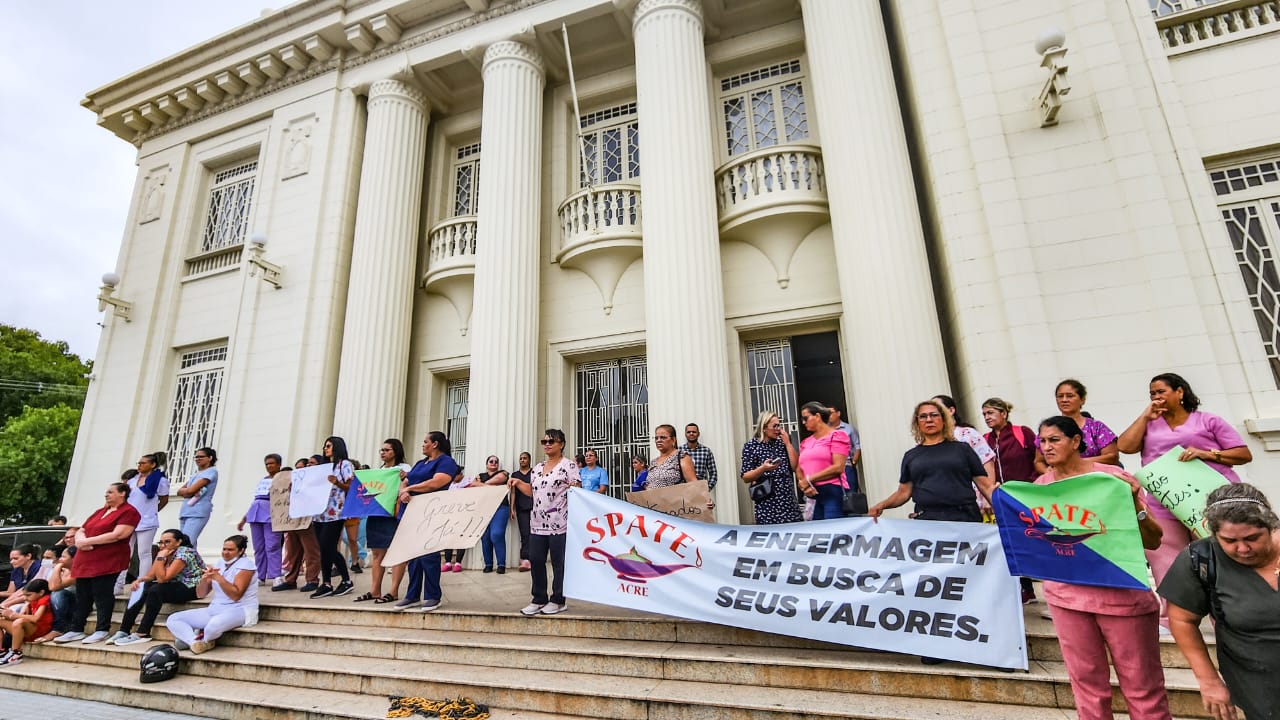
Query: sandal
x,y
366,596
386,599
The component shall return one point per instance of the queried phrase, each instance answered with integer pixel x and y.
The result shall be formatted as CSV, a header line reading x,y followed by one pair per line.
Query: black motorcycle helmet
x,y
159,663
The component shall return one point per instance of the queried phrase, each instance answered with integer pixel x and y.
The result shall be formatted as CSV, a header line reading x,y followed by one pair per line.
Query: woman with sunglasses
x,y
549,485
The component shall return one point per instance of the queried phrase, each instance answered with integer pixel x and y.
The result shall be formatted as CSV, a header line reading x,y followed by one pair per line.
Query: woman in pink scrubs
x,y
1173,418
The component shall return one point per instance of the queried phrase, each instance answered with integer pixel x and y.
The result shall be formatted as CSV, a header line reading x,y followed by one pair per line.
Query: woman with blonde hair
x,y
770,458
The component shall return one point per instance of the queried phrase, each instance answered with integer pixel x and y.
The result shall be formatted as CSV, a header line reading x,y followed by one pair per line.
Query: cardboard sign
x,y
444,520
280,520
686,500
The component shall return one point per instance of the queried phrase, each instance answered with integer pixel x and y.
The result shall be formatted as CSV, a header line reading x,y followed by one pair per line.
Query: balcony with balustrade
x,y
1187,25
600,234
451,264
772,199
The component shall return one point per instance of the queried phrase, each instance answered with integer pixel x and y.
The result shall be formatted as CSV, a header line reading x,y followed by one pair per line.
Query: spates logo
x,y
633,568
1069,525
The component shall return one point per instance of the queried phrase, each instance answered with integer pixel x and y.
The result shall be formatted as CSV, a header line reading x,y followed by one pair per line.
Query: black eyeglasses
x,y
927,416
548,441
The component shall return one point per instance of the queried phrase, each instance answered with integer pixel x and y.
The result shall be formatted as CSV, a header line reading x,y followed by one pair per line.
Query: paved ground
x,y
19,705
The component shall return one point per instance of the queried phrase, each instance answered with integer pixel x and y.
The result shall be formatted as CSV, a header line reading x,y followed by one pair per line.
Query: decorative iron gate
x,y
771,382
613,415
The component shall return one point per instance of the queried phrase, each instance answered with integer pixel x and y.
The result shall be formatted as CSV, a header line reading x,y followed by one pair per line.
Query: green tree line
x,y
42,387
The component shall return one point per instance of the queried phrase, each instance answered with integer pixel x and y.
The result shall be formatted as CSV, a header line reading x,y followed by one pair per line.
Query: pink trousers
x,y
1175,539
1134,642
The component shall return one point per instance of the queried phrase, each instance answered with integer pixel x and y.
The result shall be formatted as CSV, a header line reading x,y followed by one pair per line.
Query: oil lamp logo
x,y
635,568
1069,525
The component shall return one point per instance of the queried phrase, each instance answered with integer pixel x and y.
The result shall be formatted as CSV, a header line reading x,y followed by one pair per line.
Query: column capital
x,y
648,7
393,87
512,50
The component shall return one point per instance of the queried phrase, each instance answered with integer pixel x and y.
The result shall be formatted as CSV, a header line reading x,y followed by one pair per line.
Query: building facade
x,y
376,218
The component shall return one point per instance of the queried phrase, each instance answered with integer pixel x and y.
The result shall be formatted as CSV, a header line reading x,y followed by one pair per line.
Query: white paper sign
x,y
310,492
444,520
937,589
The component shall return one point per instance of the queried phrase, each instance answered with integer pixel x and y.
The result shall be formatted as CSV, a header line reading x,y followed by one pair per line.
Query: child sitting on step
x,y
34,621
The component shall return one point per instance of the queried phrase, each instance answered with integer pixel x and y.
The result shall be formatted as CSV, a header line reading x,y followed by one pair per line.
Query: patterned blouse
x,y
550,515
666,472
337,496
194,568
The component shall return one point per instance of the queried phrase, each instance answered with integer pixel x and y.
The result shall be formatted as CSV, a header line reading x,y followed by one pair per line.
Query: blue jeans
x,y
829,497
191,527
424,578
63,604
495,538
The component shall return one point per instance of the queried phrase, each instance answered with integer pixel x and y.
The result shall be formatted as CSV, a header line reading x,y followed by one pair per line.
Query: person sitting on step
x,y
172,578
34,621
234,604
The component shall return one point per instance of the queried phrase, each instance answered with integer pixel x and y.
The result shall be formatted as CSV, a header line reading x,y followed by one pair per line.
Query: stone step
x,y
195,692
481,665
586,620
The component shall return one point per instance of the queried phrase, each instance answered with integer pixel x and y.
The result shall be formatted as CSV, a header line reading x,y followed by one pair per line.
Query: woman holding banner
x,y
549,485
1219,576
770,457
433,472
1092,621
380,530
1173,419
493,544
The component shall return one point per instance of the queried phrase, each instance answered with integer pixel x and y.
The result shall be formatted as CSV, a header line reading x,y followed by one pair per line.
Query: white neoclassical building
x,y
375,218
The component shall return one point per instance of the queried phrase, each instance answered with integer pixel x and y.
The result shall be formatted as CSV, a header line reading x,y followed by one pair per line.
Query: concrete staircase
x,y
332,658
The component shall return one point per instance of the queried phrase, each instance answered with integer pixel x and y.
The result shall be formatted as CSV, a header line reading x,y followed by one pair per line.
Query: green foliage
x,y
37,373
35,455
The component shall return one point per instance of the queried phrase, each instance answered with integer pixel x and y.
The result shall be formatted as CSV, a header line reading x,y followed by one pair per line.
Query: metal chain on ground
x,y
460,708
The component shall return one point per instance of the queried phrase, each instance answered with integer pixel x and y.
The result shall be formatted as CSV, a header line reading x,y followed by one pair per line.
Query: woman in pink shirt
x,y
821,463
1090,621
1173,418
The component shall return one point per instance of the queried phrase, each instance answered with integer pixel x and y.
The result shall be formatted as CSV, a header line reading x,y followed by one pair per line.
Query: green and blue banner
x,y
372,494
1082,530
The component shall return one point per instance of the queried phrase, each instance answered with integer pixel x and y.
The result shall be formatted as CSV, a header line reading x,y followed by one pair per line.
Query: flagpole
x,y
577,111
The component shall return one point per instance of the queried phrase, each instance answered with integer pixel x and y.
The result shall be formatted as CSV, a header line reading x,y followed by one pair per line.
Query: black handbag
x,y
853,503
761,490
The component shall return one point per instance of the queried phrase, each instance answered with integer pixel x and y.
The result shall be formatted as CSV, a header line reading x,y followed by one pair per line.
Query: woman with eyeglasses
x,y
769,455
549,485
433,473
672,466
234,604
493,544
328,524
379,532
172,578
198,495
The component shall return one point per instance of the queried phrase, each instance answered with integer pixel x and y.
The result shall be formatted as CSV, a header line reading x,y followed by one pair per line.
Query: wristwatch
x,y
1142,515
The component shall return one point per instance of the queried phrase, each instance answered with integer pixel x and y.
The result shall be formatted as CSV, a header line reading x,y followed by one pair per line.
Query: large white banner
x,y
441,520
936,589
310,491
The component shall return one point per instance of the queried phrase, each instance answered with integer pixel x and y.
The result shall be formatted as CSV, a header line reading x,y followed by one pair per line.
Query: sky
x,y
66,192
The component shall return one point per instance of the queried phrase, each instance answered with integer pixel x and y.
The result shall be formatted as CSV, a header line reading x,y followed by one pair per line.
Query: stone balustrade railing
x,y
1204,23
778,175
602,212
215,260
453,239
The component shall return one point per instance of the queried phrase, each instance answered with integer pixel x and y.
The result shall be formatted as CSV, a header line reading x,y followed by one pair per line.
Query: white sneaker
x,y
116,637
133,638
69,637
554,608
95,638
532,609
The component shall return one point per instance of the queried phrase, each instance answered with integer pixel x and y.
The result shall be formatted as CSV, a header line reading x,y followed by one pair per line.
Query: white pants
x,y
141,541
214,620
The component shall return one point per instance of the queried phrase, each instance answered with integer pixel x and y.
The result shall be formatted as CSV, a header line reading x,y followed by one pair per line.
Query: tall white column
x,y
892,341
374,370
504,319
687,359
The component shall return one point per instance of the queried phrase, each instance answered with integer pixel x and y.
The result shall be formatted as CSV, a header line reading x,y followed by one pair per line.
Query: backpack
x,y
1204,564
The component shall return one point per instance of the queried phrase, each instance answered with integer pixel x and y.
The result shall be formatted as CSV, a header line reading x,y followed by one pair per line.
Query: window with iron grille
x,y
764,107
466,180
196,399
230,204
1249,201
771,383
613,416
455,418
611,143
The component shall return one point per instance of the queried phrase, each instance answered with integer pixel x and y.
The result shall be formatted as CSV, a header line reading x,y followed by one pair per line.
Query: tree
x,y
38,373
35,455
